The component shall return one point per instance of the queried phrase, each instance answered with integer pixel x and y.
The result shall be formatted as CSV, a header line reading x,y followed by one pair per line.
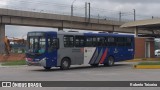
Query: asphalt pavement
x,y
122,71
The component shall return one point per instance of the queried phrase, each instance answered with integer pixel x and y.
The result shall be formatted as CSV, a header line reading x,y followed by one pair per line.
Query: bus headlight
x,y
44,58
43,61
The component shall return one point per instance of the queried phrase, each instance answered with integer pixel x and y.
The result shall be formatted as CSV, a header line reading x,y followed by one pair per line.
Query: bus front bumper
x,y
41,62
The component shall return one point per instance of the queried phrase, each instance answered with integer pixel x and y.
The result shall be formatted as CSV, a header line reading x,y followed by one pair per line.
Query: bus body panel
x,y
119,53
51,56
95,55
88,54
74,54
46,59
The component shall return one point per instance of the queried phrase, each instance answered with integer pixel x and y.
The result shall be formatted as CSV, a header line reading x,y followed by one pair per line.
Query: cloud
x,y
4,2
133,1
21,31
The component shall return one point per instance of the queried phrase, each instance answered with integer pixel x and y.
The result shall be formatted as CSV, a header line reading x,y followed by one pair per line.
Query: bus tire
x,y
65,64
47,68
94,65
110,61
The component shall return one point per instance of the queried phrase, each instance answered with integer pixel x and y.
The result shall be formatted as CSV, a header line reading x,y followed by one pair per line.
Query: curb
x,y
144,59
13,66
146,66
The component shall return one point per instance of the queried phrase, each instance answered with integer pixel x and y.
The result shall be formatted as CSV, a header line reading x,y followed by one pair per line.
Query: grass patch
x,y
149,63
12,63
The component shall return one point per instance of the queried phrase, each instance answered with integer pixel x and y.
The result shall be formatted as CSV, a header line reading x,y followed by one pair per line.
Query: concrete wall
x,y
152,49
140,47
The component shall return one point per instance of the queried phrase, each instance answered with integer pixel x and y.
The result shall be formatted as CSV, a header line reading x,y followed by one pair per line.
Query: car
x,y
157,52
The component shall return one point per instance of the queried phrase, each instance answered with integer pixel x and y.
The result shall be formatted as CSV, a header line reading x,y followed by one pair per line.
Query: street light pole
x,y
86,10
120,16
134,14
136,28
72,7
89,5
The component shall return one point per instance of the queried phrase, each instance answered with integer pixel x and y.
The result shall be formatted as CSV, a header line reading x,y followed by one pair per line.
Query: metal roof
x,y
150,24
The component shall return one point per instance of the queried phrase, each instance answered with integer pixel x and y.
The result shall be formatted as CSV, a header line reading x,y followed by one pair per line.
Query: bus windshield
x,y
37,44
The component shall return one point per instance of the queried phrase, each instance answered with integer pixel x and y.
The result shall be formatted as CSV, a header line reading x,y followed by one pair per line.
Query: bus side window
x,y
88,42
111,41
79,41
53,43
128,42
120,41
68,41
91,41
94,41
101,41
106,41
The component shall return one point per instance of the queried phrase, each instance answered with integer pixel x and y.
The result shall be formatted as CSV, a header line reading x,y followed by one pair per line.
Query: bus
x,y
63,49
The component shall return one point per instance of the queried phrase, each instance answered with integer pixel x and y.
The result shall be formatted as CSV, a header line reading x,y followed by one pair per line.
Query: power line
x,y
42,6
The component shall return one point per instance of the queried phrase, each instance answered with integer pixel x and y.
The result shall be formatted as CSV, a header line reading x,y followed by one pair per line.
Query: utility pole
x,y
134,10
89,11
98,18
86,10
136,28
72,13
72,10
120,16
72,7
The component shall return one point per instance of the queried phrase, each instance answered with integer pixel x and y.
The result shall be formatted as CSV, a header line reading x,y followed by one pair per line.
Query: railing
x,y
65,9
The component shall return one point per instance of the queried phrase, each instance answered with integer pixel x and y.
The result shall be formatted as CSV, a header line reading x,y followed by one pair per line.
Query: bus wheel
x,y
47,68
94,65
65,64
110,61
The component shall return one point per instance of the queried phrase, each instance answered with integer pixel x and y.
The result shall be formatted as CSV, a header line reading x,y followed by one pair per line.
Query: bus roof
x,y
108,34
87,34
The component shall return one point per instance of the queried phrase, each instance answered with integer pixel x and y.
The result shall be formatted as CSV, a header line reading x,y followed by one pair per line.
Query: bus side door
x,y
53,45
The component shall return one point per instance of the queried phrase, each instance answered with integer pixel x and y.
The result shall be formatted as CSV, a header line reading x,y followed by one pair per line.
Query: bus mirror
x,y
57,43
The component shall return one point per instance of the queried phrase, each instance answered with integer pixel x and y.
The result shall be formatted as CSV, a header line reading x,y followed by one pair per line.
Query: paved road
x,y
120,72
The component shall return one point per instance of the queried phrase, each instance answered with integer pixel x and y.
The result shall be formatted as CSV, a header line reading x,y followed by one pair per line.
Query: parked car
x,y
157,52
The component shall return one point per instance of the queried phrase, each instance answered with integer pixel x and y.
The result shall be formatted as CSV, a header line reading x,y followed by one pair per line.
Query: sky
x,y
145,9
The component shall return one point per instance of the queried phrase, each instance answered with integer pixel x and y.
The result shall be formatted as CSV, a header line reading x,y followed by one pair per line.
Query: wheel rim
x,y
65,63
111,61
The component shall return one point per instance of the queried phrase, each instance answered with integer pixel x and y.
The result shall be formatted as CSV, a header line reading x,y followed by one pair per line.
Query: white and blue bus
x,y
62,49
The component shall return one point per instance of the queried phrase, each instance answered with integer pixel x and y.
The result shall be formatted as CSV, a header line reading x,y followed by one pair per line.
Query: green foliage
x,y
12,63
149,63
